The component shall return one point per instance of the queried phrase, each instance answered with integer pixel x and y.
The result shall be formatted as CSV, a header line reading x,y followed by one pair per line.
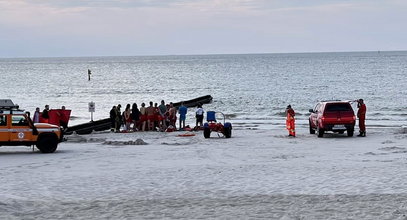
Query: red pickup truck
x,y
335,116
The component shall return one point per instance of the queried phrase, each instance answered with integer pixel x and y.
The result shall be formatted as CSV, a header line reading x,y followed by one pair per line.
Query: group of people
x,y
155,117
44,116
163,117
361,114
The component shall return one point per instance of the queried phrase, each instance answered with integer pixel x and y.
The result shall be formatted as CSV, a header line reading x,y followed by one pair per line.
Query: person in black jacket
x,y
113,118
135,116
119,119
45,114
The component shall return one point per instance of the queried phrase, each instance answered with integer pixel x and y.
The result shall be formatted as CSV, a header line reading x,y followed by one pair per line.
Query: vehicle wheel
x,y
320,132
350,132
47,143
227,132
311,130
207,132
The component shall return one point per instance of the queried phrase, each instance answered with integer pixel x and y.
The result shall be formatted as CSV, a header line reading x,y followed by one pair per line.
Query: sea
x,y
251,90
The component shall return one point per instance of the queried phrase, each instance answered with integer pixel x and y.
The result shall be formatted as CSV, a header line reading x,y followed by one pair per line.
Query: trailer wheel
x,y
207,132
47,143
228,132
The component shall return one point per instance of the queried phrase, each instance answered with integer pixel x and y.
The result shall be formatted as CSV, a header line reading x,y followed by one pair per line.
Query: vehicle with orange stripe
x,y
17,128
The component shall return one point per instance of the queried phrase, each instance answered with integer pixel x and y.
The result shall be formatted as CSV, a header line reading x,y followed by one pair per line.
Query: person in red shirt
x,y
362,118
290,121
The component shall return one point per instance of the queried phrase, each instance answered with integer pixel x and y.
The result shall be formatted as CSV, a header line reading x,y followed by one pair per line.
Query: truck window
x,y
3,120
338,107
18,120
316,108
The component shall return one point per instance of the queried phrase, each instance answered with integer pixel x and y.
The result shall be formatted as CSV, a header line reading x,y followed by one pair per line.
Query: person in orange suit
x,y
290,121
362,118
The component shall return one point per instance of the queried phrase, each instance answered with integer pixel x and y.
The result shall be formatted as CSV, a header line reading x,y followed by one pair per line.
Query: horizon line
x,y
209,54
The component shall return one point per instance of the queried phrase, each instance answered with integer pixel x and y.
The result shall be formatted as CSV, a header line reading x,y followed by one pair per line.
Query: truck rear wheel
x,y
320,132
350,132
47,143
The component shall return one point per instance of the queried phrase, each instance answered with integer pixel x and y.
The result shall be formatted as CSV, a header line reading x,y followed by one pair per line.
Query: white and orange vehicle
x,y
16,128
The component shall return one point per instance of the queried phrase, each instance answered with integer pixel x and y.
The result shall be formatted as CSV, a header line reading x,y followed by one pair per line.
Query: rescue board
x,y
189,134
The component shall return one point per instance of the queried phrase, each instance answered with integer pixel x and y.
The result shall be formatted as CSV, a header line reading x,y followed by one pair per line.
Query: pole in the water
x,y
89,72
91,106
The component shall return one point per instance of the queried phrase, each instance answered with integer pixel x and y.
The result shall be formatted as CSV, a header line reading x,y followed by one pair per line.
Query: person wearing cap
x,y
199,115
290,121
362,117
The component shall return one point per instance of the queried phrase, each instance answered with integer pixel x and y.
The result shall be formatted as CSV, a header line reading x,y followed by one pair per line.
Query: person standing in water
x,y
290,121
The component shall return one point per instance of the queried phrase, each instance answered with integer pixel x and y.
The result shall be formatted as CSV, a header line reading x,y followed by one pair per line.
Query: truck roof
x,y
6,103
7,107
335,101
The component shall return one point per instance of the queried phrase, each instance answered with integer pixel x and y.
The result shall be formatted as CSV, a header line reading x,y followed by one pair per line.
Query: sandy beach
x,y
254,58
254,174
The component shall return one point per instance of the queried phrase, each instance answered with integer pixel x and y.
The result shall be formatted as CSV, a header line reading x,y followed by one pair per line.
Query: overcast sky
x,y
55,28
